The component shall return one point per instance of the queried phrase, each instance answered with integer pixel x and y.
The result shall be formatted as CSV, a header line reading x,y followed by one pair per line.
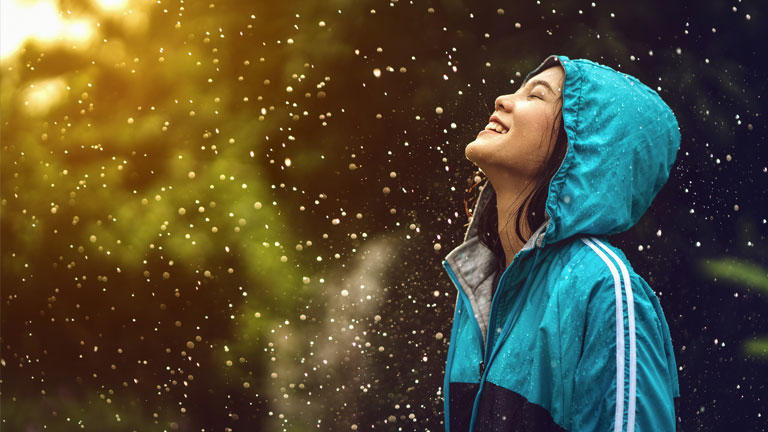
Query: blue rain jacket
x,y
572,338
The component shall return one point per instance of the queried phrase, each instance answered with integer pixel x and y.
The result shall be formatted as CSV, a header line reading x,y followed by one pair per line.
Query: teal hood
x,y
622,142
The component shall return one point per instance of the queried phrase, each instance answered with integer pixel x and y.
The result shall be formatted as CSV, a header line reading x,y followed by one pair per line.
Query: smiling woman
x,y
511,151
553,329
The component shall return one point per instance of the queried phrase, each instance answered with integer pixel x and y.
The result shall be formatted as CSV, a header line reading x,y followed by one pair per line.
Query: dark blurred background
x,y
232,215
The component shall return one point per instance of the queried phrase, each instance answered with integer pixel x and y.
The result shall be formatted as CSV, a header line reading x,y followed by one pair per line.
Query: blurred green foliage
x,y
738,272
749,277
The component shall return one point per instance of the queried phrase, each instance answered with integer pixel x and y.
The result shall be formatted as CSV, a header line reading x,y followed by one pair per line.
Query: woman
x,y
553,330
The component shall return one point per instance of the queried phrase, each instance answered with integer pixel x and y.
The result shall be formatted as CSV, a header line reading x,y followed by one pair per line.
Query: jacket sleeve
x,y
625,378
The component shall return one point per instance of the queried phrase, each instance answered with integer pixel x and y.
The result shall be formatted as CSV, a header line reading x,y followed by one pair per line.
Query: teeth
x,y
495,127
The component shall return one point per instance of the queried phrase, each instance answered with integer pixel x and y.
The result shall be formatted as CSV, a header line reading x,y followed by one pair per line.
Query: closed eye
x,y
536,96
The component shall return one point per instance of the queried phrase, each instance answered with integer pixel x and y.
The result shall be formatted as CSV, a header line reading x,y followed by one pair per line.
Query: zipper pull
x,y
482,368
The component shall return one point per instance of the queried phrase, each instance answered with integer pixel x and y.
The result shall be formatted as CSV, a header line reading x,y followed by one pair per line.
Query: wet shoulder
x,y
584,264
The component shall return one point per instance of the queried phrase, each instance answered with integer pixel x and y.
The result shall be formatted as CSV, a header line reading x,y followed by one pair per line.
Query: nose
x,y
504,103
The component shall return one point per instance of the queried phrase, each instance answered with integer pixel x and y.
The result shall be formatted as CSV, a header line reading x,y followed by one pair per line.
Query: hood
x,y
622,142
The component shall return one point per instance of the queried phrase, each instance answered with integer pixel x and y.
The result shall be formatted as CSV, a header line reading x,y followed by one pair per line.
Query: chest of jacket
x,y
524,384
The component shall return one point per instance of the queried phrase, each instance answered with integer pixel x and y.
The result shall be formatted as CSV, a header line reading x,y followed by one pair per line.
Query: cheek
x,y
533,127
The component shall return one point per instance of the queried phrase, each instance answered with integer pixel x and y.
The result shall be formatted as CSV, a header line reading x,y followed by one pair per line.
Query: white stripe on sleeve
x,y
619,416
632,349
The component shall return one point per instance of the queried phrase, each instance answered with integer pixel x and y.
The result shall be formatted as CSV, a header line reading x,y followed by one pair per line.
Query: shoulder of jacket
x,y
589,263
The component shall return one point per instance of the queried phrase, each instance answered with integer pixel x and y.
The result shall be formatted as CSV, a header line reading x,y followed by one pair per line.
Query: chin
x,y
474,150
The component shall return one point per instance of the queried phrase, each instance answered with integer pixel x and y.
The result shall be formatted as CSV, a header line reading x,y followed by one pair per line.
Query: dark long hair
x,y
535,201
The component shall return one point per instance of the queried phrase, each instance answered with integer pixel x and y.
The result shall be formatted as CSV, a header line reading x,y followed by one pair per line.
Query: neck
x,y
509,198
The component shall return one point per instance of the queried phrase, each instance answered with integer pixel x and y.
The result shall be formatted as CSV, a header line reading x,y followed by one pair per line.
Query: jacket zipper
x,y
491,353
485,343
491,332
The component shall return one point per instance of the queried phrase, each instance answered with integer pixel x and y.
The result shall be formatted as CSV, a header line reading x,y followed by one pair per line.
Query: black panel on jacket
x,y
462,398
501,410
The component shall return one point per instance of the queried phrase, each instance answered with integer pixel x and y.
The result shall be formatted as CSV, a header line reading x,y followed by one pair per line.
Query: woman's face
x,y
519,137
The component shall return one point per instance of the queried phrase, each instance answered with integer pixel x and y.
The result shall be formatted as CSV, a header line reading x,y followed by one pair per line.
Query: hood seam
x,y
558,180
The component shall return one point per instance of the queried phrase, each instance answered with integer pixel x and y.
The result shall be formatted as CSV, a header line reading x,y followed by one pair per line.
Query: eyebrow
x,y
536,82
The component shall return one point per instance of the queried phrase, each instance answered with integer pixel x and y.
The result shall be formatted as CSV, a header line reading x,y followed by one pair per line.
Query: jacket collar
x,y
475,265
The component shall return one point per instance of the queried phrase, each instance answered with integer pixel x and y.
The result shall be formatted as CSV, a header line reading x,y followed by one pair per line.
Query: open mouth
x,y
495,125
